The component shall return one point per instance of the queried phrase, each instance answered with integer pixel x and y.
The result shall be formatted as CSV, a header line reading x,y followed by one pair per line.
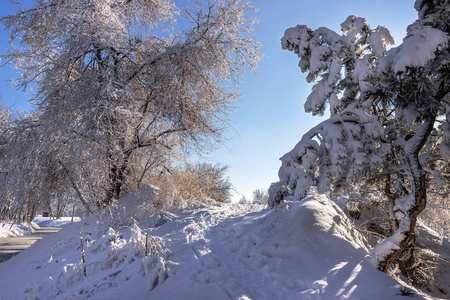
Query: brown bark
x,y
419,188
116,177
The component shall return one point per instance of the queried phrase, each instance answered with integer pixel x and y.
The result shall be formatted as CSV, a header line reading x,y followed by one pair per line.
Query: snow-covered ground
x,y
56,223
304,250
12,230
21,229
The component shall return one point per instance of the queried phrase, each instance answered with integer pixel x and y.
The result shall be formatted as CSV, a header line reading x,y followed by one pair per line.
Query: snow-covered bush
x,y
110,255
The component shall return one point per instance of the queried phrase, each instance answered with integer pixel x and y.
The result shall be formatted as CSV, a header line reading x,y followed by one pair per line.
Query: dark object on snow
x,y
355,214
406,291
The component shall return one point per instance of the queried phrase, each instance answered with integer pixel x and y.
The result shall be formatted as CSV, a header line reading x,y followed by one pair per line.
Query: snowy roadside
x,y
13,230
55,223
20,229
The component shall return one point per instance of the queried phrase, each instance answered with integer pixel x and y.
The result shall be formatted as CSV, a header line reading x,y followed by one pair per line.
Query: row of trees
x,y
260,196
389,128
120,94
34,182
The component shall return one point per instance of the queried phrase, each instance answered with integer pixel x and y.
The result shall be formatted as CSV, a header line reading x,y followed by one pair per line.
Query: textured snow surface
x,y
417,49
12,230
300,250
55,223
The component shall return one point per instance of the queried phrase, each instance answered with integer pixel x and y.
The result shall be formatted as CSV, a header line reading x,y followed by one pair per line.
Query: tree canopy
x,y
121,90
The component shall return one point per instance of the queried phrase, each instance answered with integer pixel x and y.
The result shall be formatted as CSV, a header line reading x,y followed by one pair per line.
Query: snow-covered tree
x,y
260,196
21,168
389,124
243,200
120,90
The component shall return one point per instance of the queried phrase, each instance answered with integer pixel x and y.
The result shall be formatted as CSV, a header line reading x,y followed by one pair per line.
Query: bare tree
x,y
243,200
202,181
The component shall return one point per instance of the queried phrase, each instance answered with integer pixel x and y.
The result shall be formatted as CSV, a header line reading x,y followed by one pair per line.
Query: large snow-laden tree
x,y
118,86
389,125
341,67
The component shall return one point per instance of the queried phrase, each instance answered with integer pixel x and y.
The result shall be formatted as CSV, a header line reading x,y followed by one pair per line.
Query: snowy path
x,y
243,252
196,244
10,247
306,250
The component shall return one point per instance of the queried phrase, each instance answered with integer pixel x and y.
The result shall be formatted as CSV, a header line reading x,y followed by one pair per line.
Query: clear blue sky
x,y
270,119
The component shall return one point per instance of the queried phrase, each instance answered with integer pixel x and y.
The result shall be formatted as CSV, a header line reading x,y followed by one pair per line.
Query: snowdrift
x,y
13,230
301,250
55,223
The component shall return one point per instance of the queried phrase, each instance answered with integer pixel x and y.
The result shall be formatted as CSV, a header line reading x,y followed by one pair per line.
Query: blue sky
x,y
270,120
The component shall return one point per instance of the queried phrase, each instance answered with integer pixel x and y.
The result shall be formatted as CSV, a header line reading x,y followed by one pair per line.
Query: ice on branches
x,y
338,151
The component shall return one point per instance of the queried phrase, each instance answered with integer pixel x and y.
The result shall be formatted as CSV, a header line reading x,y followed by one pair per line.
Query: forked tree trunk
x,y
403,237
116,180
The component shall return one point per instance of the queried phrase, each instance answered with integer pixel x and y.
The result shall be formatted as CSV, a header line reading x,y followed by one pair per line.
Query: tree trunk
x,y
116,178
30,207
75,187
404,237
393,222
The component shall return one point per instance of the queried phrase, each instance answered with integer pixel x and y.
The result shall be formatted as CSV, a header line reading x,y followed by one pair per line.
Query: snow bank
x,y
55,223
301,250
437,249
308,250
12,230
117,255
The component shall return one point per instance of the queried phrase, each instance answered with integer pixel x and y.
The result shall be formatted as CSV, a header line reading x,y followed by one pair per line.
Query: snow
x,y
21,229
55,223
300,250
13,230
340,147
379,40
353,26
418,48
